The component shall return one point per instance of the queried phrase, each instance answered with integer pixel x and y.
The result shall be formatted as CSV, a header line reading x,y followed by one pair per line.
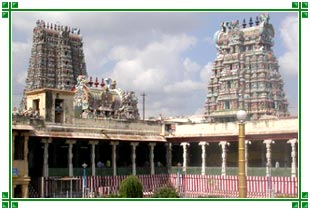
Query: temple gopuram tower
x,y
245,74
57,87
57,57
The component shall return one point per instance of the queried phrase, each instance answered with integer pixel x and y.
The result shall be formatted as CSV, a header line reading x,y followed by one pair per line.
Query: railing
x,y
194,186
187,185
106,171
26,120
147,127
32,190
252,171
66,194
98,186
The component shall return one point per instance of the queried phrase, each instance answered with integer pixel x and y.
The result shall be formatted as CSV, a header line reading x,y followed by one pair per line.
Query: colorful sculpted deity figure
x,y
235,25
105,101
264,19
226,26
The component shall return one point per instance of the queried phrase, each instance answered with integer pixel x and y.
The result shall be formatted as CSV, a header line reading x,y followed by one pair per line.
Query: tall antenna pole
x,y
143,108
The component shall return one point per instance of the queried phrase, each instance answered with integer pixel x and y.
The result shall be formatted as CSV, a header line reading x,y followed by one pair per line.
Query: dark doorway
x,y
177,154
36,105
35,157
124,154
59,116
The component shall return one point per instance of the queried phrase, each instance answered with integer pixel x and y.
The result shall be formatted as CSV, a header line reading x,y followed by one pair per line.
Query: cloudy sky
x,y
166,55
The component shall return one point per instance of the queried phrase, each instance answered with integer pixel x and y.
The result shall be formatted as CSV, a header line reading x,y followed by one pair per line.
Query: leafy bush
x,y
131,187
166,192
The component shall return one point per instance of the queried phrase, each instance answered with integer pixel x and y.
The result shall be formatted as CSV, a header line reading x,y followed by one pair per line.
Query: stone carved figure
x,y
129,102
234,25
264,19
226,26
107,102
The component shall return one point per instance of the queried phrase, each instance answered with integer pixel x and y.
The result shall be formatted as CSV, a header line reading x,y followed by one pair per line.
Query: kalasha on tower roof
x,y
245,74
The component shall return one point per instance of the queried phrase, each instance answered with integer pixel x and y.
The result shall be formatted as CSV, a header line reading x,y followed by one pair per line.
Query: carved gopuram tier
x,y
57,57
103,100
245,74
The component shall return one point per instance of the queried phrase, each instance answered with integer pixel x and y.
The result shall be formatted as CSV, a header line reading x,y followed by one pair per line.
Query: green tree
x,y
166,192
131,187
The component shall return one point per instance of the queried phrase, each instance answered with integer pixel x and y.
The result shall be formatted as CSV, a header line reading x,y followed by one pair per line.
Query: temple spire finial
x,y
257,21
251,22
90,81
102,83
244,23
96,83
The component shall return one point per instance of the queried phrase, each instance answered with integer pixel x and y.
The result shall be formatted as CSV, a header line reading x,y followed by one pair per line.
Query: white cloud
x,y
190,66
289,60
209,40
95,55
103,30
159,70
21,77
121,52
152,67
184,87
205,73
200,111
289,34
21,53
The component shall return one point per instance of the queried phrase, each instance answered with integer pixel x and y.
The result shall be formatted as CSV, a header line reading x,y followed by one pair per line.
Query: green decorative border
x,y
8,7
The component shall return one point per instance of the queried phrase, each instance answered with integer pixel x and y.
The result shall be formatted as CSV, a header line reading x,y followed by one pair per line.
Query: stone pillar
x,y
293,155
223,145
14,134
133,156
25,192
203,156
114,144
246,155
70,156
184,145
46,142
168,156
93,157
26,138
268,155
152,145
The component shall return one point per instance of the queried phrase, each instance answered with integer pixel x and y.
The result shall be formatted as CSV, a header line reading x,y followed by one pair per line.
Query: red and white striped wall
x,y
187,185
